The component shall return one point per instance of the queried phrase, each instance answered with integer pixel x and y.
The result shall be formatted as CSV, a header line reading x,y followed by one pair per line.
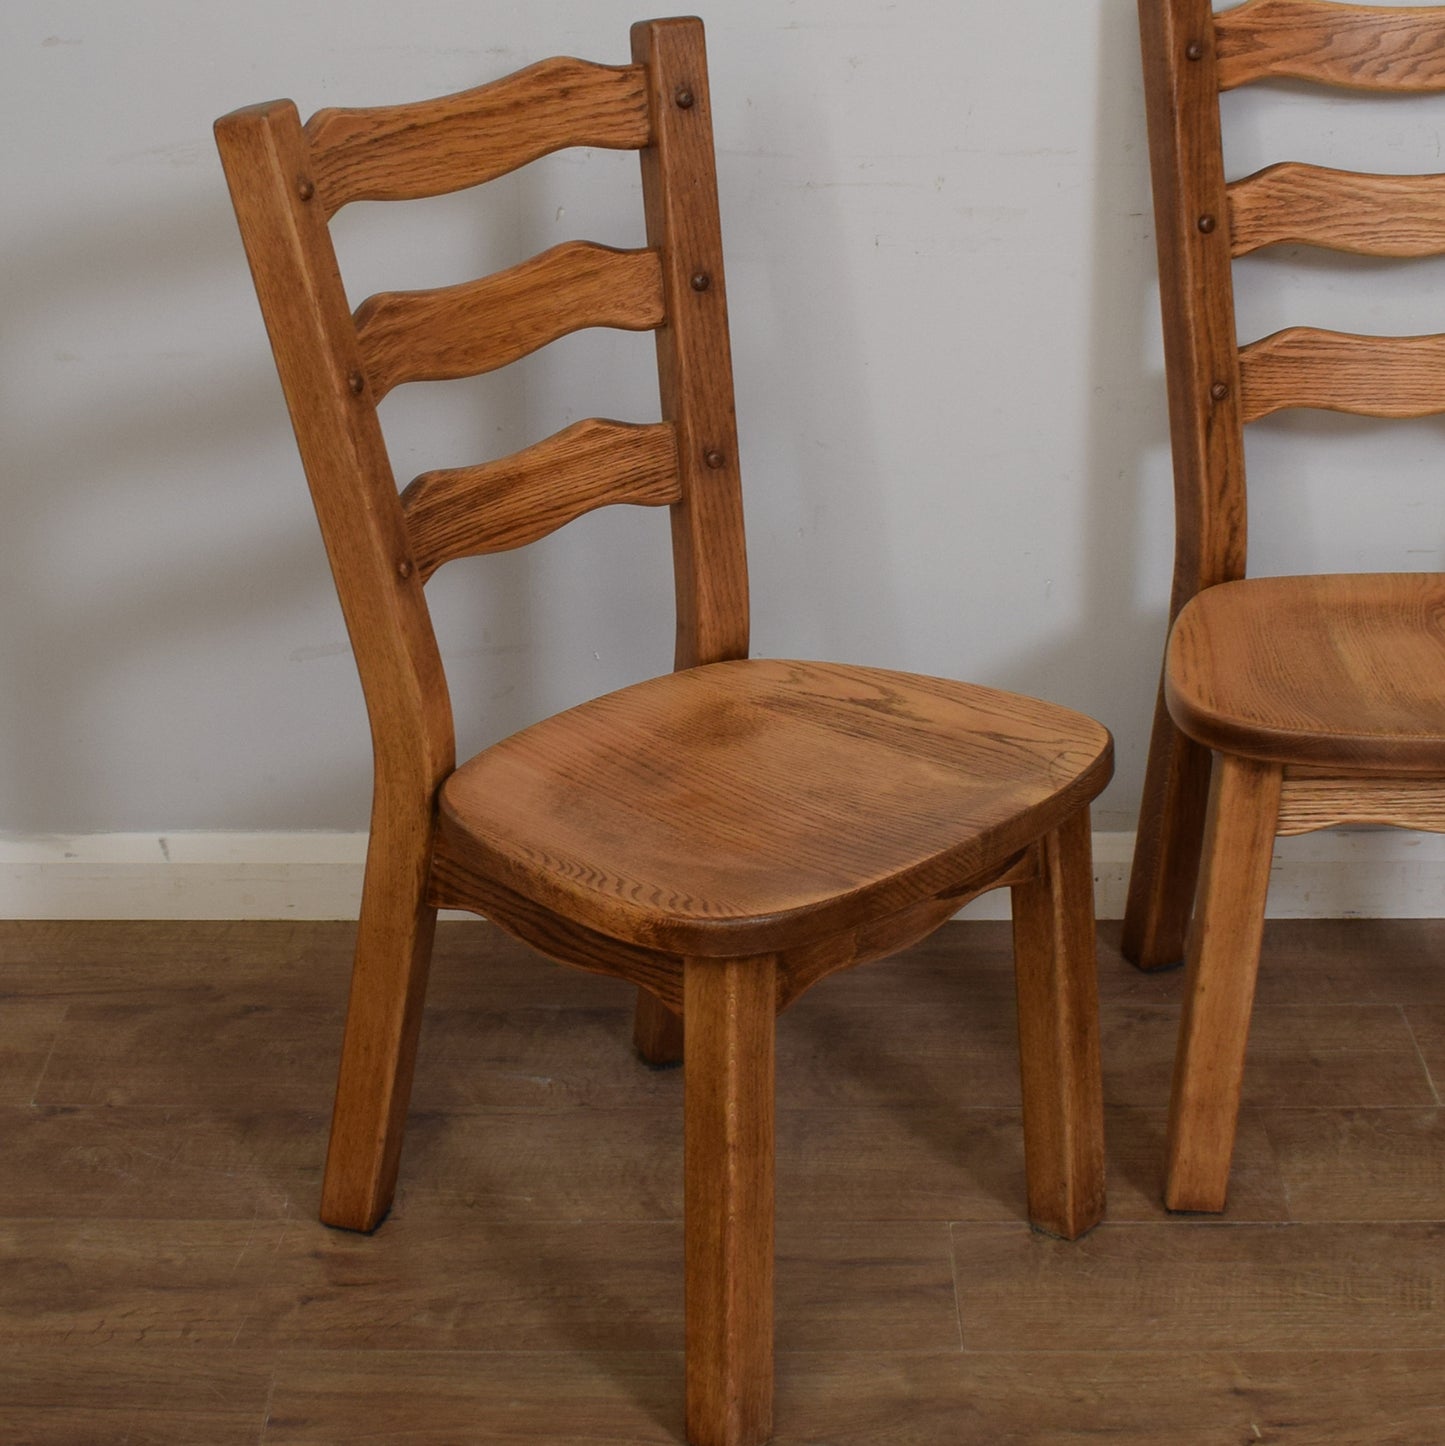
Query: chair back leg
x,y
656,1031
383,1022
1167,851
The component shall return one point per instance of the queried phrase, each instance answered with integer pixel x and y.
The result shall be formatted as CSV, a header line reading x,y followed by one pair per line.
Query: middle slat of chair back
x,y
1388,49
475,327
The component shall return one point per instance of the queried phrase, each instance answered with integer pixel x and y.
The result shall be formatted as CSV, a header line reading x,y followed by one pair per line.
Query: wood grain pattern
x,y
314,343
1369,376
1338,671
1058,1011
1367,215
133,1162
657,1032
1193,1397
1198,1397
157,1376
1330,1289
1325,1055
1200,342
478,326
616,1283
1427,1028
729,1005
129,1426
401,152
27,1034
882,1140
765,804
659,972
1220,972
464,511
462,879
799,969
694,355
161,1284
1310,803
1169,842
1360,1164
1360,47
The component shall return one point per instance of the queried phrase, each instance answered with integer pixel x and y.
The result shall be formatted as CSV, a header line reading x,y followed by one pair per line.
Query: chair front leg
x,y
1219,985
1167,849
730,1008
383,1022
1055,963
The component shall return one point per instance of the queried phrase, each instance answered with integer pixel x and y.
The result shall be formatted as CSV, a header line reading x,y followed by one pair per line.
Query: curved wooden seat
x,y
747,807
1343,671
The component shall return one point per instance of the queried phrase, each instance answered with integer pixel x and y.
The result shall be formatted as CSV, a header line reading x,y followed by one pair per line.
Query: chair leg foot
x,y
657,1033
1219,988
378,1052
1058,1010
730,1008
1167,851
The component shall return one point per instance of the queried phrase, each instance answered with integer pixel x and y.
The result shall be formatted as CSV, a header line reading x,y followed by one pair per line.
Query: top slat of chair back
x,y
1359,47
288,181
403,152
1191,55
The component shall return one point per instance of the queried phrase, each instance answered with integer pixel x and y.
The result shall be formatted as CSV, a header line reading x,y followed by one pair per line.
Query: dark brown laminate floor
x,y
164,1092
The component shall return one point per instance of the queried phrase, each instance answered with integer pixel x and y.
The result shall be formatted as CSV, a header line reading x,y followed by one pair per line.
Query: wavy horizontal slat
x,y
1360,47
400,152
1293,204
1371,376
503,504
461,331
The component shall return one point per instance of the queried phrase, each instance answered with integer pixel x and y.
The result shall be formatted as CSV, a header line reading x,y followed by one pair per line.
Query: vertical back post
x,y
694,359
1201,363
1191,213
283,225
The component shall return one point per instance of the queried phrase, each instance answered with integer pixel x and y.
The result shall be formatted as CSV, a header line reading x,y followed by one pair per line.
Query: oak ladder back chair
x,y
1287,703
722,836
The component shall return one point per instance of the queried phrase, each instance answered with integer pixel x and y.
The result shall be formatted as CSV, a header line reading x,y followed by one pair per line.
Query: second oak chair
x,y
722,836
1322,699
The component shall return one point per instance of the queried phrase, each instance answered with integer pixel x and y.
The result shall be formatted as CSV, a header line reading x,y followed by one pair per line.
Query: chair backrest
x,y
287,180
1203,222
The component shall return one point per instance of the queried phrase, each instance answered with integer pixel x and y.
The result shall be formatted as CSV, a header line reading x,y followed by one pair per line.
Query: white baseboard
x,y
1371,873
181,876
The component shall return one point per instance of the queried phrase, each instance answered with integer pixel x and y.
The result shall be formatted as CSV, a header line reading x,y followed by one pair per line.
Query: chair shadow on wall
x,y
1127,436
1104,658
160,430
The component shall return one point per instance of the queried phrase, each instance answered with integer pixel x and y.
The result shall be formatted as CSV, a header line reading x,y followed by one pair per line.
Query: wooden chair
x,y
1321,699
722,836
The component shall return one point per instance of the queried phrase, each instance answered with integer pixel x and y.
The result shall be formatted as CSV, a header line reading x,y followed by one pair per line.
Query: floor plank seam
x,y
1424,1063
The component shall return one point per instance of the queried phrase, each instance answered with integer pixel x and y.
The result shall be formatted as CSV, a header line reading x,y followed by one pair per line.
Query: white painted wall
x,y
940,266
